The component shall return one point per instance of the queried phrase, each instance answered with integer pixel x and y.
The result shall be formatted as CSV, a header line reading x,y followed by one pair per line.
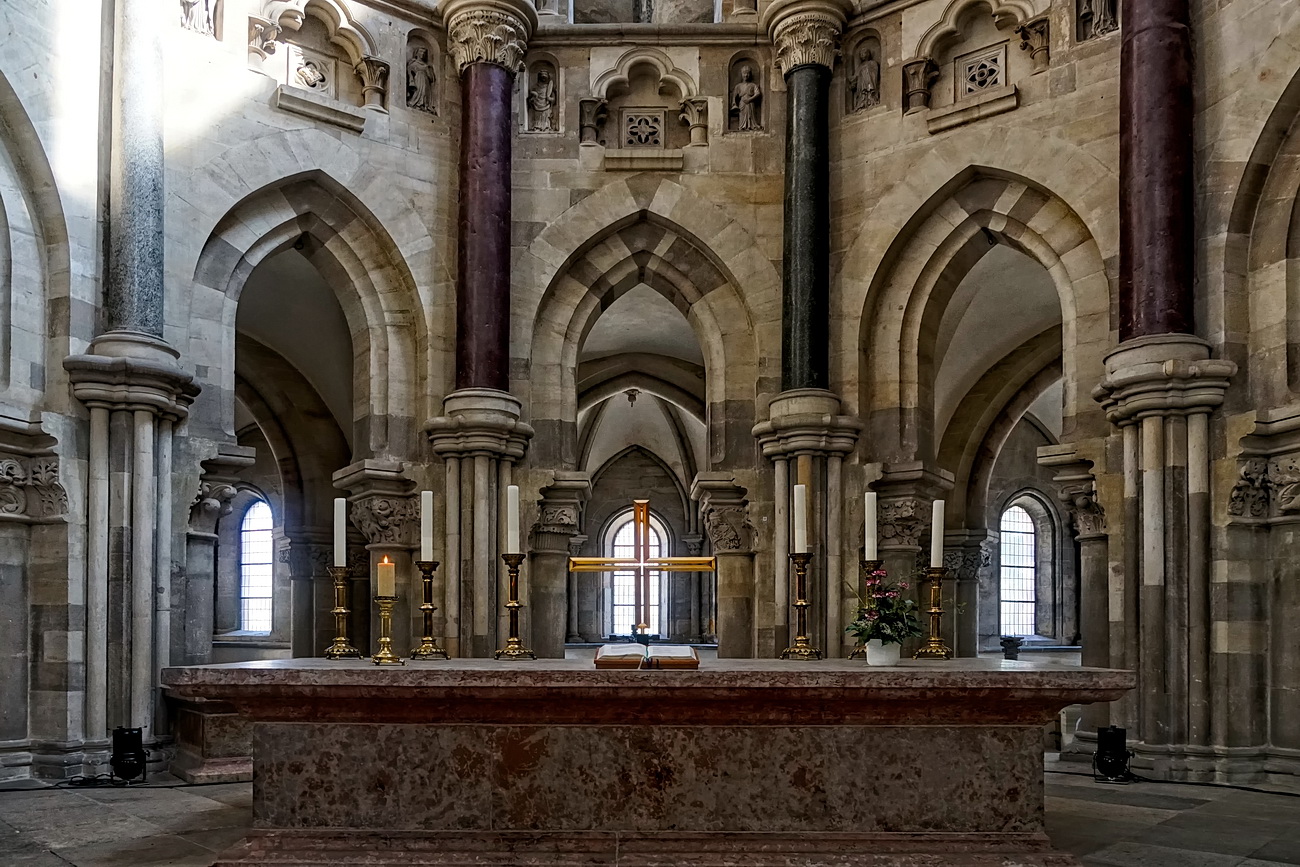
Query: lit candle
x,y
801,519
426,525
936,536
386,571
340,531
512,519
872,543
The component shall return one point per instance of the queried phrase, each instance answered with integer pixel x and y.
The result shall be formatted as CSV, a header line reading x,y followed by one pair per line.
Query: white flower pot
x,y
879,653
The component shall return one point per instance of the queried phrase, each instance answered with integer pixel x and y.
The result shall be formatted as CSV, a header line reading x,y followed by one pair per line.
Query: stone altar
x,y
754,762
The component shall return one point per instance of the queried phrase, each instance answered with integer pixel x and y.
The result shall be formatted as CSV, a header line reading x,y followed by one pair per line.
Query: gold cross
x,y
642,563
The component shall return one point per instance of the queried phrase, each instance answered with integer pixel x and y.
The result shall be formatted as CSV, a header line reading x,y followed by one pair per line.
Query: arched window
x,y
621,542
1019,572
256,551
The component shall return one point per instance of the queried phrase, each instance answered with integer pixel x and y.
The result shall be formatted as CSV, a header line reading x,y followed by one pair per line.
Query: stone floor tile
x,y
1082,810
1283,851
233,794
170,850
220,839
66,835
1219,840
1143,855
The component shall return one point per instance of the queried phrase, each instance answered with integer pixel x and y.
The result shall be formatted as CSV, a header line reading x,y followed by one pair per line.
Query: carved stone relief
x,y
1035,37
864,75
30,488
421,77
312,71
729,528
211,504
262,36
373,73
386,520
982,70
200,16
644,128
1266,488
543,98
1086,511
746,112
1097,18
901,523
695,114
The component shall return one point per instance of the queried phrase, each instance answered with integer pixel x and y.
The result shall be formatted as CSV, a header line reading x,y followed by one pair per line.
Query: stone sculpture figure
x,y
541,99
1098,17
420,80
866,80
196,15
745,100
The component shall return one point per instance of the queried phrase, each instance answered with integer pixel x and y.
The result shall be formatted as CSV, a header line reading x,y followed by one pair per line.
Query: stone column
x,y
906,494
725,514
558,520
968,556
487,40
478,435
576,542
211,504
807,437
383,507
806,36
1076,487
1157,210
310,554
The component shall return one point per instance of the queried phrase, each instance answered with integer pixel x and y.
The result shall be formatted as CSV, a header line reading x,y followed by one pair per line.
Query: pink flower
x,y
892,594
902,585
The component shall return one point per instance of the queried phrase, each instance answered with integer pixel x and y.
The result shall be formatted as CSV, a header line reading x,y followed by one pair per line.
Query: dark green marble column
x,y
806,36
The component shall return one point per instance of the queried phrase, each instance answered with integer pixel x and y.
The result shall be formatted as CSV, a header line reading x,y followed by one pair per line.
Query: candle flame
x,y
385,560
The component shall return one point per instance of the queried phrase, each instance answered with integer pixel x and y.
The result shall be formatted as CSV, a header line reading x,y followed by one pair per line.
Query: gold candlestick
x,y
934,647
802,647
868,568
341,648
428,648
385,655
514,648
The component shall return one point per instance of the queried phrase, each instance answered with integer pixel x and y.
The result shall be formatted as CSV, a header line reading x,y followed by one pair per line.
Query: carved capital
x,y
211,504
487,34
386,520
373,73
695,114
559,514
1086,511
1162,375
480,421
592,114
729,528
1036,38
30,488
901,522
919,77
262,36
807,38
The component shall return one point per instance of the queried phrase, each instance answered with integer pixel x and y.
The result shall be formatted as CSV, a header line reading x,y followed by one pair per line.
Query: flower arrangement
x,y
885,614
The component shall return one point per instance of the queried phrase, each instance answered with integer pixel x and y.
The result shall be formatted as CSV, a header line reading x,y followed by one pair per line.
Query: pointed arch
x,y
1005,13
351,250
652,231
344,30
919,271
621,73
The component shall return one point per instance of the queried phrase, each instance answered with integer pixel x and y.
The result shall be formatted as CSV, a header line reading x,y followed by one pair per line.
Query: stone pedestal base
x,y
594,849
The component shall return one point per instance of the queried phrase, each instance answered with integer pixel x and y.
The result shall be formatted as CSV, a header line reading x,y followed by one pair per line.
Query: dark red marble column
x,y
1157,231
483,254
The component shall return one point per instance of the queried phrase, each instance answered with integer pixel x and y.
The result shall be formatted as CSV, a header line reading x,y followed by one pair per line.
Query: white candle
x,y
386,572
426,525
872,543
512,519
936,536
801,519
340,531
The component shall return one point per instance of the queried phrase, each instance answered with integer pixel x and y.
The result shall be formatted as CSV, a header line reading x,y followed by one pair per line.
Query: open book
x,y
655,656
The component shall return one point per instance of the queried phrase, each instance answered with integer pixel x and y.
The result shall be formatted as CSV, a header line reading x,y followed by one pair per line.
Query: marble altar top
x,y
758,691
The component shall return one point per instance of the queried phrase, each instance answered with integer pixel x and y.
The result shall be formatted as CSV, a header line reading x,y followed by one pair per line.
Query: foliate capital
x,y
805,32
489,31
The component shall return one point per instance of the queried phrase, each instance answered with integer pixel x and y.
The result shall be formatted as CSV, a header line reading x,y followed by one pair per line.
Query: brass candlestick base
x,y
385,655
869,569
428,647
802,647
934,647
514,648
341,648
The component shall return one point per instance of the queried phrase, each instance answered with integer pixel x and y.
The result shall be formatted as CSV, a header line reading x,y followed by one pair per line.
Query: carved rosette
x,y
729,529
488,36
1035,37
901,523
386,520
30,488
373,73
807,38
